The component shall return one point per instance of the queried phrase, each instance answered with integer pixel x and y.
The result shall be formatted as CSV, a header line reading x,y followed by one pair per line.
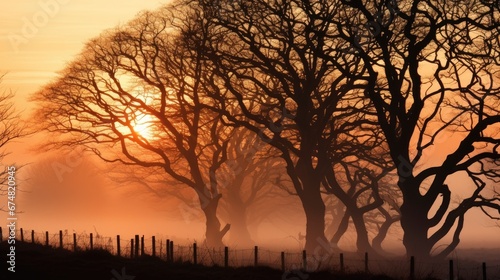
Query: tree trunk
x,y
314,208
341,230
239,227
213,233
362,242
383,230
414,223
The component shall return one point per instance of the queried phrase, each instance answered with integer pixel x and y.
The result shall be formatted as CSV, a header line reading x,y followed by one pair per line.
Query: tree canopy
x,y
346,92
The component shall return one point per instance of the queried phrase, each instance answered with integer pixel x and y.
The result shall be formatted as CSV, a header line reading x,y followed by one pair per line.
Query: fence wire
x,y
398,268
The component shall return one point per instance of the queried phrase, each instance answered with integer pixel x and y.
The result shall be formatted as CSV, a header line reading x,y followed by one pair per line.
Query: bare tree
x,y
277,54
136,89
12,128
430,71
245,179
364,196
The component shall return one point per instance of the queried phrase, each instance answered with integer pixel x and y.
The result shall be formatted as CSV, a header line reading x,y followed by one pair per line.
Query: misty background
x,y
74,191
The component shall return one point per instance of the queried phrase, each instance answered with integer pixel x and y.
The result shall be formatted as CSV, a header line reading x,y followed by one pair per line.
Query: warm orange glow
x,y
143,125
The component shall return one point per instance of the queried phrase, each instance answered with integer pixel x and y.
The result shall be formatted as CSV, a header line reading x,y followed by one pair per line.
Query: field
x,y
35,261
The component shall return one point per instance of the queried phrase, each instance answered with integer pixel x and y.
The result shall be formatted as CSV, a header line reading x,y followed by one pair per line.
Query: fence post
x,y
131,248
412,268
283,261
256,255
172,250
195,259
32,236
366,262
304,260
60,239
161,248
91,241
484,271
142,245
22,235
46,238
136,254
118,245
226,256
74,242
452,277
153,241
342,263
168,250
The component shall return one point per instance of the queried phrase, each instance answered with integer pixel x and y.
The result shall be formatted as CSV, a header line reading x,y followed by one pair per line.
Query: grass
x,y
34,261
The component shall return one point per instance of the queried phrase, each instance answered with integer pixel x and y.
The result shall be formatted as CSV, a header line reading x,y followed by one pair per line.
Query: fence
x,y
170,251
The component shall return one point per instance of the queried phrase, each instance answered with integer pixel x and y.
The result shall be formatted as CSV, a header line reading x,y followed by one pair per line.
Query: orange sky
x,y
38,38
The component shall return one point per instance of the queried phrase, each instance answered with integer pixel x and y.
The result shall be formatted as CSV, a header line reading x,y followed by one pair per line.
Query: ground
x,y
35,261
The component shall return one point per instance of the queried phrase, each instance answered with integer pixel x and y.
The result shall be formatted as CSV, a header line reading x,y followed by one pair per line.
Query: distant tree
x,y
245,180
370,203
359,163
429,68
12,128
136,89
250,182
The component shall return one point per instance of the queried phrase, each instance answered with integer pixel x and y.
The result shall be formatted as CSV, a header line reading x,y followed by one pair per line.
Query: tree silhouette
x,y
277,55
366,196
247,177
12,127
429,69
345,91
141,74
245,181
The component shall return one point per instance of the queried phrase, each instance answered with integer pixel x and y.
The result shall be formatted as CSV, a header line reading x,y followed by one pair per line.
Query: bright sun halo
x,y
143,126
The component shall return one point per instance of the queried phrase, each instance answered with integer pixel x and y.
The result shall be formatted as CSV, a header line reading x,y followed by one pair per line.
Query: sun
x,y
143,126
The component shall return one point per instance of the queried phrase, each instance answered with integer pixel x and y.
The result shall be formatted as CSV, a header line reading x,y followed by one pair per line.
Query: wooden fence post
x,y
342,270
226,256
91,241
161,249
60,239
484,271
452,277
304,260
256,255
74,242
142,245
171,250
195,257
118,249
412,268
168,250
32,236
153,244
46,238
283,261
136,253
131,248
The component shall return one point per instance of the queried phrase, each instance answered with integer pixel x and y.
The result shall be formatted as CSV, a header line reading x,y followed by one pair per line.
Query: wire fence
x,y
168,250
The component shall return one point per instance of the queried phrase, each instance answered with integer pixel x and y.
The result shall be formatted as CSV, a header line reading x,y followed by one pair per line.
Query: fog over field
x,y
308,128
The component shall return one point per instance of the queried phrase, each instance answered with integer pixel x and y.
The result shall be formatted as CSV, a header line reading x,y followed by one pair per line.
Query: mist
x,y
70,192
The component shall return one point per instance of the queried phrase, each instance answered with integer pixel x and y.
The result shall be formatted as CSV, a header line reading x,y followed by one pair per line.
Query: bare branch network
x,y
371,109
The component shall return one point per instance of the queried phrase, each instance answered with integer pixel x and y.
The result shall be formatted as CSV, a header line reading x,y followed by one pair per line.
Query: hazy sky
x,y
38,37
